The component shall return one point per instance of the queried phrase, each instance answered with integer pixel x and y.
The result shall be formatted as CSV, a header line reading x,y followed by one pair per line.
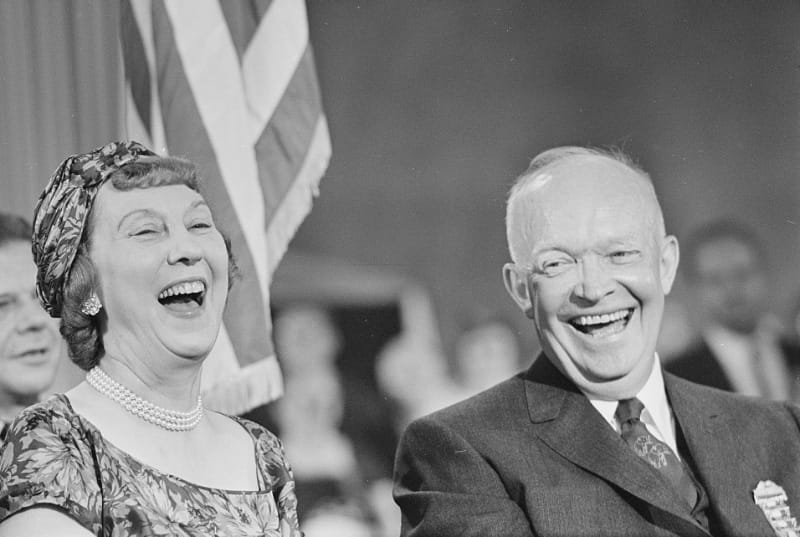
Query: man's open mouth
x,y
604,324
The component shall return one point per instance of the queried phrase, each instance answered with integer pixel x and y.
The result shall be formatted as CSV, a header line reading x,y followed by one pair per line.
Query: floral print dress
x,y
54,457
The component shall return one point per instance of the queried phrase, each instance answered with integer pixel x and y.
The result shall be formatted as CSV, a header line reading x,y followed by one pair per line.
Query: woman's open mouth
x,y
183,297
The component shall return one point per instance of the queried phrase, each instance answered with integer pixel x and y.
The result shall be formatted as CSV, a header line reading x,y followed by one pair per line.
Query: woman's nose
x,y
185,249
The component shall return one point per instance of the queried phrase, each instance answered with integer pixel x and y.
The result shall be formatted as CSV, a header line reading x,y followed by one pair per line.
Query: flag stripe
x,y
297,202
284,143
242,18
136,72
245,317
141,11
272,58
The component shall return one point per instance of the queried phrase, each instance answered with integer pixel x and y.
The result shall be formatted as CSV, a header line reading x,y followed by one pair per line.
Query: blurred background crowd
x,y
389,303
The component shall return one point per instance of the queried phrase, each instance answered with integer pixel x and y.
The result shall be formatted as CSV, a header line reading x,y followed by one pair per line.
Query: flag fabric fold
x,y
232,86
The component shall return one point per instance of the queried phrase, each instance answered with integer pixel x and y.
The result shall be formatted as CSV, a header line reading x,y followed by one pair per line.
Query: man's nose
x,y
31,315
594,280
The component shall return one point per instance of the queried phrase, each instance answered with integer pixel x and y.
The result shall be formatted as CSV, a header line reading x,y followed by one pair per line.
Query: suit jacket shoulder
x,y
446,483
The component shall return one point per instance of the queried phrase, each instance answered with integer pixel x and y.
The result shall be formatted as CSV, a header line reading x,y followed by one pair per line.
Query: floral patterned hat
x,y
60,214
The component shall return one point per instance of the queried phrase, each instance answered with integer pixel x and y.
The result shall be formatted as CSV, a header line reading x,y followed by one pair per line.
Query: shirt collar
x,y
657,414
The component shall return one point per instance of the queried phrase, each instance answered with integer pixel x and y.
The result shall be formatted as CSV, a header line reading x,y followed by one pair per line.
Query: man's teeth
x,y
184,288
588,320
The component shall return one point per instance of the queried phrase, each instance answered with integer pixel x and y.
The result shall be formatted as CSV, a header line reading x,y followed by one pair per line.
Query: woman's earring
x,y
91,306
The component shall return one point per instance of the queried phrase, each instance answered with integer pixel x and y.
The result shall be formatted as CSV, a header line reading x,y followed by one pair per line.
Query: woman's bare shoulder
x,y
42,521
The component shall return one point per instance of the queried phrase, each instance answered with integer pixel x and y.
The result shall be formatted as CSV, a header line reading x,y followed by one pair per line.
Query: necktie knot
x,y
655,452
629,409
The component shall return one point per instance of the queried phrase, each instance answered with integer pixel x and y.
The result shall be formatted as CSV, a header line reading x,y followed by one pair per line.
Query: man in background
x,y
742,346
30,346
594,439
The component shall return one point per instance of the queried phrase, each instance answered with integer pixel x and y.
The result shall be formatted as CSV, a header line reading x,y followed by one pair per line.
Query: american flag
x,y
231,85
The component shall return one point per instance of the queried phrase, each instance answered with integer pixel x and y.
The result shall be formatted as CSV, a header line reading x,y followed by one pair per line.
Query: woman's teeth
x,y
184,288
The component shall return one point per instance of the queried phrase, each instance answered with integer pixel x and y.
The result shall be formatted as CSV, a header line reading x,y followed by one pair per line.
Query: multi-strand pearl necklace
x,y
168,419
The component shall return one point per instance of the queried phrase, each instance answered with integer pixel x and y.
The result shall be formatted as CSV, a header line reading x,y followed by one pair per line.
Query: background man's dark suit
x,y
533,457
698,364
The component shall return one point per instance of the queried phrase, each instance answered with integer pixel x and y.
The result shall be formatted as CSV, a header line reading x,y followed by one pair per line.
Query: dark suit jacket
x,y
698,364
532,456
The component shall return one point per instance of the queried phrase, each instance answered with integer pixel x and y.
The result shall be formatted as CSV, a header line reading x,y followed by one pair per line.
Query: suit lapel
x,y
569,424
713,448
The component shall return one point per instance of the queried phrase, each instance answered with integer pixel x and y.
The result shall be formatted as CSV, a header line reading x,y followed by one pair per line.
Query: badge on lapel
x,y
773,501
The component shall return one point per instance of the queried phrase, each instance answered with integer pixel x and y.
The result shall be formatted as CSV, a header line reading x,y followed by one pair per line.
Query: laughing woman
x,y
129,257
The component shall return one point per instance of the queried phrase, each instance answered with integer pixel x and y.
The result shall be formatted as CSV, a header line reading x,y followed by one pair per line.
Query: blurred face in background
x,y
306,339
29,340
486,355
731,283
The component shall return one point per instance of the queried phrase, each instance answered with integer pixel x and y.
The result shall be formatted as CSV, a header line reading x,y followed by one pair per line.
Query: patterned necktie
x,y
654,451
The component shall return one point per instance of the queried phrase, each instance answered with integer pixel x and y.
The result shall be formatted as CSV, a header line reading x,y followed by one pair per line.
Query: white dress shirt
x,y
657,414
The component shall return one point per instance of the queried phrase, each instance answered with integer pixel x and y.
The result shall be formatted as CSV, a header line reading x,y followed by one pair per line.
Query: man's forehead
x,y
609,208
590,187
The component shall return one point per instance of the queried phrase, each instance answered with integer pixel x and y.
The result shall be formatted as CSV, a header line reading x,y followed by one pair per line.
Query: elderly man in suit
x,y
594,439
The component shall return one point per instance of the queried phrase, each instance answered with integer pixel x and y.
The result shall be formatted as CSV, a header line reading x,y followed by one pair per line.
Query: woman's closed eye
x,y
143,232
146,230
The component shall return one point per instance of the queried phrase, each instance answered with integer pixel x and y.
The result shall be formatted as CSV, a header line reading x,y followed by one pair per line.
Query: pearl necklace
x,y
168,419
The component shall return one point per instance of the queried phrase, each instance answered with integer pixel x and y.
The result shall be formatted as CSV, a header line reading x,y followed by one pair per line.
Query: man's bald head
x,y
574,164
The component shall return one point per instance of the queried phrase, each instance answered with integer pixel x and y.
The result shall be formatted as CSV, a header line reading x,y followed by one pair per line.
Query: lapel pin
x,y
773,502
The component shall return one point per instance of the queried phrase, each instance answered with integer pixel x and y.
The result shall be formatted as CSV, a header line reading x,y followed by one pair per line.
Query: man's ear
x,y
670,256
516,281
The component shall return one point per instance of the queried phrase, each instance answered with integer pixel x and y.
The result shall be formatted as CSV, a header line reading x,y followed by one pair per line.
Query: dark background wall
x,y
434,107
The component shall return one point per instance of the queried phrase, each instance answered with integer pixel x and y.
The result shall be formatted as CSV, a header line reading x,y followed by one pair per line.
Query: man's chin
x,y
610,379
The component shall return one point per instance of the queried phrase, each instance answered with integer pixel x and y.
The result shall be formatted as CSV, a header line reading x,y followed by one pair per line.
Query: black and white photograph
x,y
384,268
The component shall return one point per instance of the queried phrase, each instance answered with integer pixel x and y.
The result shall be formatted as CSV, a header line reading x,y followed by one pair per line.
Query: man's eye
x,y
555,266
623,256
7,305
